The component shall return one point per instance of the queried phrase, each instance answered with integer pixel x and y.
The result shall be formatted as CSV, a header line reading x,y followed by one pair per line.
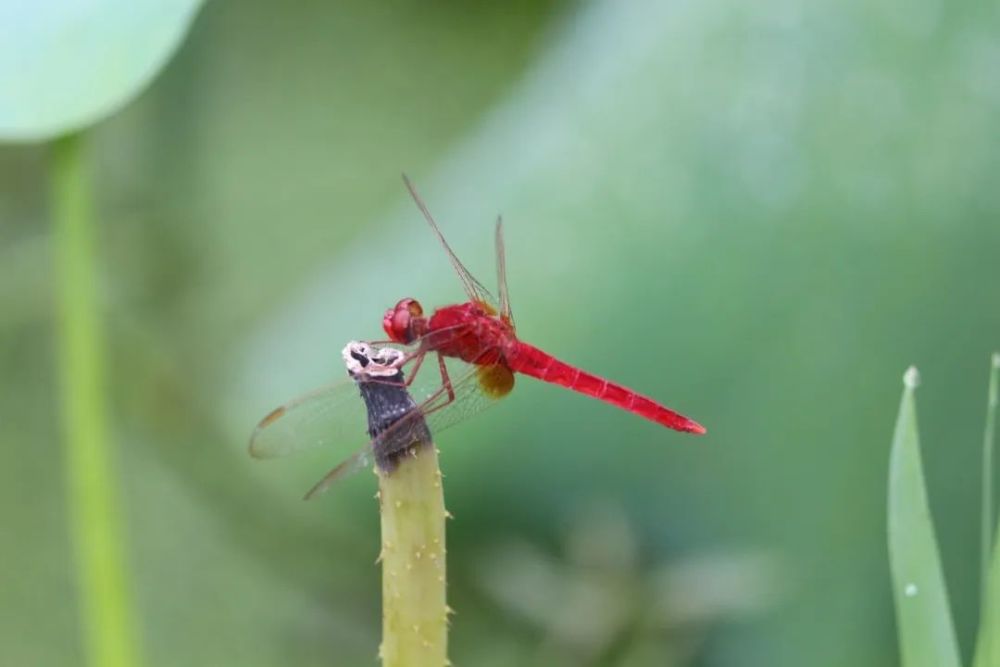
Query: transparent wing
x,y
334,415
330,415
505,311
468,390
473,288
472,395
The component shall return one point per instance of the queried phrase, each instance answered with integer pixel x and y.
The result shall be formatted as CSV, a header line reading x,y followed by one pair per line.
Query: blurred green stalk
x,y
986,529
414,611
94,506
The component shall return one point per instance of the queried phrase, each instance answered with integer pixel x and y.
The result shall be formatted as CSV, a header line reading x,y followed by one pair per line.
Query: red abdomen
x,y
527,359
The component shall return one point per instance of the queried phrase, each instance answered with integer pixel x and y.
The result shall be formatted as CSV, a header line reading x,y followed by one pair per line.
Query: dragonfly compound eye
x,y
401,321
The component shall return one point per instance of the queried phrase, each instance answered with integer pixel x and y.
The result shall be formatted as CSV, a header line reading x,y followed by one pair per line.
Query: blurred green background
x,y
759,213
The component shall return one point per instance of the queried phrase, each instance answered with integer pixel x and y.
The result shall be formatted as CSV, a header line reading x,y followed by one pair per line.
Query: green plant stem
x,y
414,610
94,508
986,529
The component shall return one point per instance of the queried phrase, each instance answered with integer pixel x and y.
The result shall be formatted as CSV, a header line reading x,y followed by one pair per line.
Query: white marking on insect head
x,y
388,356
351,351
361,359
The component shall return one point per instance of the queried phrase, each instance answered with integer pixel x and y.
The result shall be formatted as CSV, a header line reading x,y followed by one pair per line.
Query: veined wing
x,y
473,288
330,415
504,311
442,404
334,415
476,388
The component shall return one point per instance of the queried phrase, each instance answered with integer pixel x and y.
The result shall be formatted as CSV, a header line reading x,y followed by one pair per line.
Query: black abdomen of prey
x,y
395,424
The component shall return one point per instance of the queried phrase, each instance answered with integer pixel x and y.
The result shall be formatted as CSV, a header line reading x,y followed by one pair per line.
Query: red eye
x,y
398,321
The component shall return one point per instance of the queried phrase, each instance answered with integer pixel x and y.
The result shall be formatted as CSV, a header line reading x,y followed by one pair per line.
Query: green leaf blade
x,y
926,631
988,641
66,65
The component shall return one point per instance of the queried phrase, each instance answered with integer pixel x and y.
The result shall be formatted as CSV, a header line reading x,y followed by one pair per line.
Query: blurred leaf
x,y
65,65
988,642
926,633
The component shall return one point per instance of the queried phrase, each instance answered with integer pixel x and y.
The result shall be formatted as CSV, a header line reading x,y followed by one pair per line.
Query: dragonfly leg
x,y
446,388
445,380
419,356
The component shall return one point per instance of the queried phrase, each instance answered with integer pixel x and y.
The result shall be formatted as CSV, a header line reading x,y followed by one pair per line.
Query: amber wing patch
x,y
496,380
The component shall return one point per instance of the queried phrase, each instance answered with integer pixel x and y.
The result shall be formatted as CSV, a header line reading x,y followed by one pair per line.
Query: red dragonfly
x,y
478,353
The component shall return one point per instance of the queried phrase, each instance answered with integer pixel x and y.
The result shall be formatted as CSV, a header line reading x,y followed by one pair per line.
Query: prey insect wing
x,y
437,408
323,417
330,416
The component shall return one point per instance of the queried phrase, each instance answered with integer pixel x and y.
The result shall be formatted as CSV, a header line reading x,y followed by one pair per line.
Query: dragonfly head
x,y
405,322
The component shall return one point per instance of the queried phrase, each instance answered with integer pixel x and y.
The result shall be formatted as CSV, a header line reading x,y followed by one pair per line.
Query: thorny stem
x,y
414,610
94,507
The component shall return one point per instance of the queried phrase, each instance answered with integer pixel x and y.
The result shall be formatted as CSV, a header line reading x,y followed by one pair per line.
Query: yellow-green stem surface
x,y
414,610
94,508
